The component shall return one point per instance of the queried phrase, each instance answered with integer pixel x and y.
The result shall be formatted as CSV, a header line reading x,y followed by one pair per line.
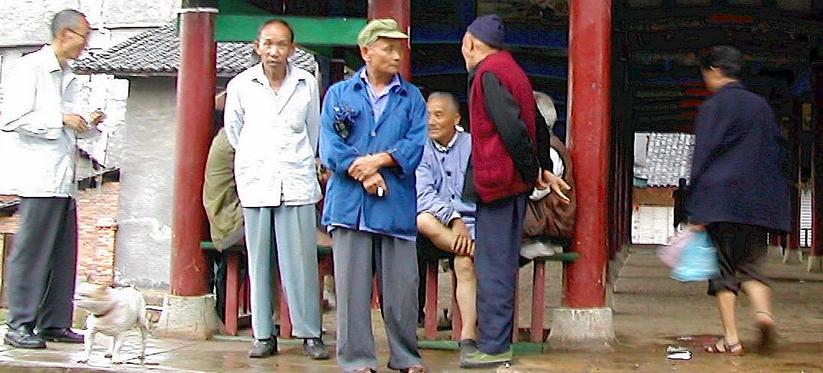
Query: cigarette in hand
x,y
380,191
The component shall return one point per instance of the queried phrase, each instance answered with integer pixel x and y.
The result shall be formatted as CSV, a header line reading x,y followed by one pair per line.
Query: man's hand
x,y
97,117
373,183
463,244
697,227
366,166
547,179
75,122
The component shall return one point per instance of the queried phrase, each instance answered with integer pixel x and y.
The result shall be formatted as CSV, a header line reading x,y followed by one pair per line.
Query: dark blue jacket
x,y
401,131
738,170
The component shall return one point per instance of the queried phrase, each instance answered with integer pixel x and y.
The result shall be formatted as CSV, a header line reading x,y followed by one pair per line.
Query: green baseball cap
x,y
379,28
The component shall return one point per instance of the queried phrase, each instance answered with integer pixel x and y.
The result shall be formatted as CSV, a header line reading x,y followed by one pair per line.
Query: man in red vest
x,y
504,169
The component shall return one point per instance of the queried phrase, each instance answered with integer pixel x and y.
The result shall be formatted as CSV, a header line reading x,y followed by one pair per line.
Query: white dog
x,y
113,312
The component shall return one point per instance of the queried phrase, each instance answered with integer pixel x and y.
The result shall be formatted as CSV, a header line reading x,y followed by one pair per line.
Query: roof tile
x,y
157,52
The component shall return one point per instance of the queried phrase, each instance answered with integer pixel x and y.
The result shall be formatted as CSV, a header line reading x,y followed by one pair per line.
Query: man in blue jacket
x,y
372,132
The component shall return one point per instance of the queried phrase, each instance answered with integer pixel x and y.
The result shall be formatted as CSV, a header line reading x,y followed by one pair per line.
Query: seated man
x,y
445,221
221,203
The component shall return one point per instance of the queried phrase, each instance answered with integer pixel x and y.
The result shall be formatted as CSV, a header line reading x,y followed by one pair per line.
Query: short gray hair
x,y
447,96
67,18
546,107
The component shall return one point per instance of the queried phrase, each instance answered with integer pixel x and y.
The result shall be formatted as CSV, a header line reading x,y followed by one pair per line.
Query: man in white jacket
x,y
42,111
272,118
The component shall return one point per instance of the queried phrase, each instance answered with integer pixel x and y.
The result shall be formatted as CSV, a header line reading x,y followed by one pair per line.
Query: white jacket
x,y
275,137
36,96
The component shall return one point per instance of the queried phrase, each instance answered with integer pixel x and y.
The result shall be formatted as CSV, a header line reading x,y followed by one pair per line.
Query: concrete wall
x,y
9,56
26,22
146,184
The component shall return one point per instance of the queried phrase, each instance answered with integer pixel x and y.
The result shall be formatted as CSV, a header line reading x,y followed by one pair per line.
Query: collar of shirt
x,y
445,149
378,103
259,76
395,82
732,84
50,59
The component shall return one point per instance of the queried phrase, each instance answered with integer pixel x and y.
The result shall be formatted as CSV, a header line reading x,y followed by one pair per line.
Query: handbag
x,y
551,216
698,261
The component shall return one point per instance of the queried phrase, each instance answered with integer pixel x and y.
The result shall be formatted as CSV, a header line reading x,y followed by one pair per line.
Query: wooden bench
x,y
238,293
536,330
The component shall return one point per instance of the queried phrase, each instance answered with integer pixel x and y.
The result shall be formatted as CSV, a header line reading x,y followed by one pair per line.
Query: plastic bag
x,y
698,260
670,254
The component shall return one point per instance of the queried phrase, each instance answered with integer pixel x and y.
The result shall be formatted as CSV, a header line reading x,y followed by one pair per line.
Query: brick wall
x,y
8,224
97,228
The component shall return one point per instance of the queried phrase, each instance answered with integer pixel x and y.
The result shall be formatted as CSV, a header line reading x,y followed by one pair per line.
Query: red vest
x,y
494,172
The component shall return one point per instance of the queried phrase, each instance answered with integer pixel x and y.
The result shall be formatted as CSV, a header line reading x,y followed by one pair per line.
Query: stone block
x,y
582,329
188,318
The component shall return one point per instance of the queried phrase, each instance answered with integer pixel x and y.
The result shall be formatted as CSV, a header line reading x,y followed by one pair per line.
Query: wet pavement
x,y
230,356
651,312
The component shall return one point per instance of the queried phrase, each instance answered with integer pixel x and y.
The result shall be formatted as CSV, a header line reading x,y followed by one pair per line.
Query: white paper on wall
x,y
652,225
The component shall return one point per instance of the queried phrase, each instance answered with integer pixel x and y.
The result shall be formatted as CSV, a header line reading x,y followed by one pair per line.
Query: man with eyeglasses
x,y
43,110
272,120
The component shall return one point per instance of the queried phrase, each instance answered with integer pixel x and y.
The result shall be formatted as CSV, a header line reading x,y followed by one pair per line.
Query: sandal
x,y
721,347
768,338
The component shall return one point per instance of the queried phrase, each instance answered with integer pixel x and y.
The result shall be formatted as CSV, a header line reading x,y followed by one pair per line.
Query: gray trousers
x,y
42,264
283,237
357,257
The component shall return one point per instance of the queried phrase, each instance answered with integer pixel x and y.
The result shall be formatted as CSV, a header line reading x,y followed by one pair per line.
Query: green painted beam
x,y
239,7
328,31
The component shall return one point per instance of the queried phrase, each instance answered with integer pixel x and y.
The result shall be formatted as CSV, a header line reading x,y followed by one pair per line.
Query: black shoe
x,y
468,346
23,338
315,349
65,335
263,348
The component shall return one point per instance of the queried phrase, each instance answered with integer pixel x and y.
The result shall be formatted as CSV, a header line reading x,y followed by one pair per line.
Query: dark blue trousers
x,y
499,233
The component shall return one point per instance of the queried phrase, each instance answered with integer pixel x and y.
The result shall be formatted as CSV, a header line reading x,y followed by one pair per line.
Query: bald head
x,y
70,34
444,116
475,50
66,19
448,99
545,105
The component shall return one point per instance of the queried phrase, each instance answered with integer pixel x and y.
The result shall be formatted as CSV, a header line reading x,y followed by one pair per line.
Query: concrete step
x,y
633,271
657,285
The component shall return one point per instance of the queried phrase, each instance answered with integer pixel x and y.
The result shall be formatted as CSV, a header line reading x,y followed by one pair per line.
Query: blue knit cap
x,y
489,29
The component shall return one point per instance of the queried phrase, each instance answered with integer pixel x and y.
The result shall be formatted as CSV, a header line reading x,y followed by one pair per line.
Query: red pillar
x,y
400,10
590,26
195,104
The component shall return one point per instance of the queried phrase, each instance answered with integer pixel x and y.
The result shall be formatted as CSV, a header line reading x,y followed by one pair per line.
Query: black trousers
x,y
427,253
741,250
43,264
499,233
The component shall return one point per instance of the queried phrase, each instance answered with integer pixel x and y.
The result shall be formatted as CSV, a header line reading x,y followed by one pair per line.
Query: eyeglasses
x,y
85,37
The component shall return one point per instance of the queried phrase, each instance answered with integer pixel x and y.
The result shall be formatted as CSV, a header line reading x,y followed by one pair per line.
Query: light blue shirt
x,y
378,103
440,178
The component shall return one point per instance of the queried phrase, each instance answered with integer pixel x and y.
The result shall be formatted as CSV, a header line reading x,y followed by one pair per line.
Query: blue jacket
x,y
440,180
738,170
401,131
